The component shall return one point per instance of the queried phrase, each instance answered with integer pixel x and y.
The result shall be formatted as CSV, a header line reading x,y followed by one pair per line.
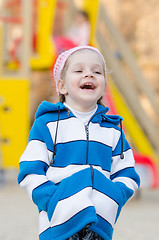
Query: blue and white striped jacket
x,y
86,180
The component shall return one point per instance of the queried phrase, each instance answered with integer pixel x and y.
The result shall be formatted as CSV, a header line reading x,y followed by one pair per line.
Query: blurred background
x,y
32,34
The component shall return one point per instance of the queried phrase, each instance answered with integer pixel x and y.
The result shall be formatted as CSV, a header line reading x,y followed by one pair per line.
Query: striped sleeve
x,y
123,173
33,166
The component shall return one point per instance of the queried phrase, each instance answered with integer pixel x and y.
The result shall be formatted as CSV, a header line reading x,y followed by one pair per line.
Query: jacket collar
x,y
99,116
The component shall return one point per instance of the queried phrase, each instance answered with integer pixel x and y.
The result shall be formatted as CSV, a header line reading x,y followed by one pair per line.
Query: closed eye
x,y
78,71
98,72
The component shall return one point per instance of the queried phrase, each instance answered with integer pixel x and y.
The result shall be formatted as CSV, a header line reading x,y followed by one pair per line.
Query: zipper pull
x,y
52,160
68,112
87,131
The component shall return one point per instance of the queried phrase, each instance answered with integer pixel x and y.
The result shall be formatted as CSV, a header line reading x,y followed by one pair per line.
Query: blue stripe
x,y
76,154
78,222
42,194
31,167
70,153
74,224
35,132
40,131
103,228
107,187
100,154
126,193
127,172
52,116
76,183
46,235
109,125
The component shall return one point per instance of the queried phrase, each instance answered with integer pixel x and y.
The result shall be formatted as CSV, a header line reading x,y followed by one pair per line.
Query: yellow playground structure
x,y
14,93
16,65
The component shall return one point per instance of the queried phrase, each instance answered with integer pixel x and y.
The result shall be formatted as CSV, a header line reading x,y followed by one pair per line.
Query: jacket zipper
x,y
87,132
87,136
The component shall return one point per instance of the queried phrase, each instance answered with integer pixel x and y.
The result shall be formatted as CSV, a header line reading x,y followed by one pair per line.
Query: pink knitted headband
x,y
62,58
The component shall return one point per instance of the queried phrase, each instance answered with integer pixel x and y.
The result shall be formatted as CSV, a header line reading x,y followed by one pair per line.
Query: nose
x,y
88,74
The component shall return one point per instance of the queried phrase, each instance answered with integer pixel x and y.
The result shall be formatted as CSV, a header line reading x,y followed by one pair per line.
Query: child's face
x,y
80,18
84,81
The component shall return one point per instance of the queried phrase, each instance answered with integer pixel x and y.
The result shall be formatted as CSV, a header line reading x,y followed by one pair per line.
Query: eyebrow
x,y
80,64
77,65
98,65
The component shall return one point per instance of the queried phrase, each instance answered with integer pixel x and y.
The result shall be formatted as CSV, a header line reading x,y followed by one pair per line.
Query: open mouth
x,y
88,86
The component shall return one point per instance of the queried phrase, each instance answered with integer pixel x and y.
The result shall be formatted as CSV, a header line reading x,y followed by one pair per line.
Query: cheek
x,y
103,86
103,82
72,83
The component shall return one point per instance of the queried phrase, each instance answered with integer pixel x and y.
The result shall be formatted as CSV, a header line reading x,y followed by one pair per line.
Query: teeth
x,y
87,86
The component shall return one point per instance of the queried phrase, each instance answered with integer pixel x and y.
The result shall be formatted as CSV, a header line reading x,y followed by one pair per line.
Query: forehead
x,y
85,56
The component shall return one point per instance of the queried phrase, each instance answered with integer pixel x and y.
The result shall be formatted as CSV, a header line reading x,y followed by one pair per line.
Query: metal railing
x,y
131,92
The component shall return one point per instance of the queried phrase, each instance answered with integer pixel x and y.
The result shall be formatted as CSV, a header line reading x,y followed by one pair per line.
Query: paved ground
x,y
139,219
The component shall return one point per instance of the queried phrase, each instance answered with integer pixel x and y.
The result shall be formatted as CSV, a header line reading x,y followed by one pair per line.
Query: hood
x,y
100,115
113,119
46,107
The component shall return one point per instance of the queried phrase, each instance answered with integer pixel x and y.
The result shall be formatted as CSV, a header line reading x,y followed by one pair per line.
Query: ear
x,y
61,87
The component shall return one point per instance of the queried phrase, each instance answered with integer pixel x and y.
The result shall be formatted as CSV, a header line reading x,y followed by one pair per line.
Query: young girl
x,y
78,168
79,32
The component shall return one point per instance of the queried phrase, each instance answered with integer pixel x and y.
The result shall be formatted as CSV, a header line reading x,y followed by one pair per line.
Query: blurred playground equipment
x,y
14,83
35,49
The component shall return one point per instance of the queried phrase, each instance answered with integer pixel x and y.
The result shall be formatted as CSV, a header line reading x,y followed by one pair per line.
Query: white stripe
x,y
119,164
36,150
130,183
71,129
107,136
32,181
105,207
69,207
57,174
44,223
